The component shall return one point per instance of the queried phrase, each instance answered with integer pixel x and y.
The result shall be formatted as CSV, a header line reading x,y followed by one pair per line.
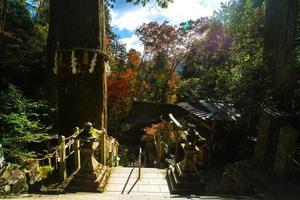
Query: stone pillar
x,y
285,147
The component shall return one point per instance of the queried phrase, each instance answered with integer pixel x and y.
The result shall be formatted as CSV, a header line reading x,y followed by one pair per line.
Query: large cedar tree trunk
x,y
76,30
52,42
280,22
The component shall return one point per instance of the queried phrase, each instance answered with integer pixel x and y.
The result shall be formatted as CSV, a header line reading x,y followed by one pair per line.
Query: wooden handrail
x,y
139,173
128,178
140,162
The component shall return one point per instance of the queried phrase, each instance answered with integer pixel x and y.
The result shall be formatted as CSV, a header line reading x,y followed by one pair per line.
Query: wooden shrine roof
x,y
207,110
148,112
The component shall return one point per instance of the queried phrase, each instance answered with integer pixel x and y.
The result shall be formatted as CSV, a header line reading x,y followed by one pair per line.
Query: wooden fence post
x,y
49,162
111,151
103,149
62,156
77,153
115,158
158,150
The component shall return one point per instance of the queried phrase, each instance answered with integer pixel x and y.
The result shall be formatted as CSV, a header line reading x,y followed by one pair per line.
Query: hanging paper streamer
x,y
85,58
73,62
55,64
93,63
107,68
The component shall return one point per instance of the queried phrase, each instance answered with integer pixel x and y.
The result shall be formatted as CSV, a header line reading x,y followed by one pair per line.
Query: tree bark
x,y
52,43
3,14
77,32
280,22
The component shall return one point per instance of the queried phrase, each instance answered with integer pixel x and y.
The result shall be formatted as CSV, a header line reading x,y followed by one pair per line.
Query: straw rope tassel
x,y
107,68
73,62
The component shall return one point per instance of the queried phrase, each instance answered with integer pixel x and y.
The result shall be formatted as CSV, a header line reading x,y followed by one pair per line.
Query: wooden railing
x,y
107,147
140,162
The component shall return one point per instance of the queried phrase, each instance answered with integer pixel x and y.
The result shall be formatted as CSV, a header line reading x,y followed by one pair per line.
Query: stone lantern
x,y
88,146
184,177
90,174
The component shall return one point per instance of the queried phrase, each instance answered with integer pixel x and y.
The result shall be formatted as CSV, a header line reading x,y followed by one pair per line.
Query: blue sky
x,y
127,17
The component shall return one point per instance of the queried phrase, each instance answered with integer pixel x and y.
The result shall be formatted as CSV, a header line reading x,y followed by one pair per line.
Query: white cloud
x,y
132,19
183,10
133,42
177,12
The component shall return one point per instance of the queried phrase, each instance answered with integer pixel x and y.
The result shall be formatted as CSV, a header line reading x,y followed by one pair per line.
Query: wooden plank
x,y
173,119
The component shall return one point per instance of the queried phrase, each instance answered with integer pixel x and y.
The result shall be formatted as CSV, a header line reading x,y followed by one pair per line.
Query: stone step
x,y
184,176
183,186
183,189
171,182
152,181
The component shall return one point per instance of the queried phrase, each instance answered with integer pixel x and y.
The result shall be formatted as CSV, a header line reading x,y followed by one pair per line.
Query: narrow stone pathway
x,y
110,196
152,186
152,182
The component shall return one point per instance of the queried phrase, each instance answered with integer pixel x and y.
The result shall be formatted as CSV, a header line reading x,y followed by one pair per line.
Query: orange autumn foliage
x,y
172,87
134,59
156,129
121,90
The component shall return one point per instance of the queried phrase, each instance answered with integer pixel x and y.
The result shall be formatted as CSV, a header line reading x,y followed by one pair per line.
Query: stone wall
x,y
15,180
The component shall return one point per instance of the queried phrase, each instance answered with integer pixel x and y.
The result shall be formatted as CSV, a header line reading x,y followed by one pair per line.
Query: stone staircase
x,y
182,183
152,182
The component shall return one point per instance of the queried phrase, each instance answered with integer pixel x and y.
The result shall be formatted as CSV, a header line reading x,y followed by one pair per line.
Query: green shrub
x,y
20,124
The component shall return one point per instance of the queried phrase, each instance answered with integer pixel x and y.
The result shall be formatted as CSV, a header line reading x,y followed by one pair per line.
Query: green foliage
x,y
23,43
250,79
210,84
227,64
20,124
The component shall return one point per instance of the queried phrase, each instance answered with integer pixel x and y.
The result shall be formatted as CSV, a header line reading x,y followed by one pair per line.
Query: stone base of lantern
x,y
92,176
183,177
90,182
184,183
